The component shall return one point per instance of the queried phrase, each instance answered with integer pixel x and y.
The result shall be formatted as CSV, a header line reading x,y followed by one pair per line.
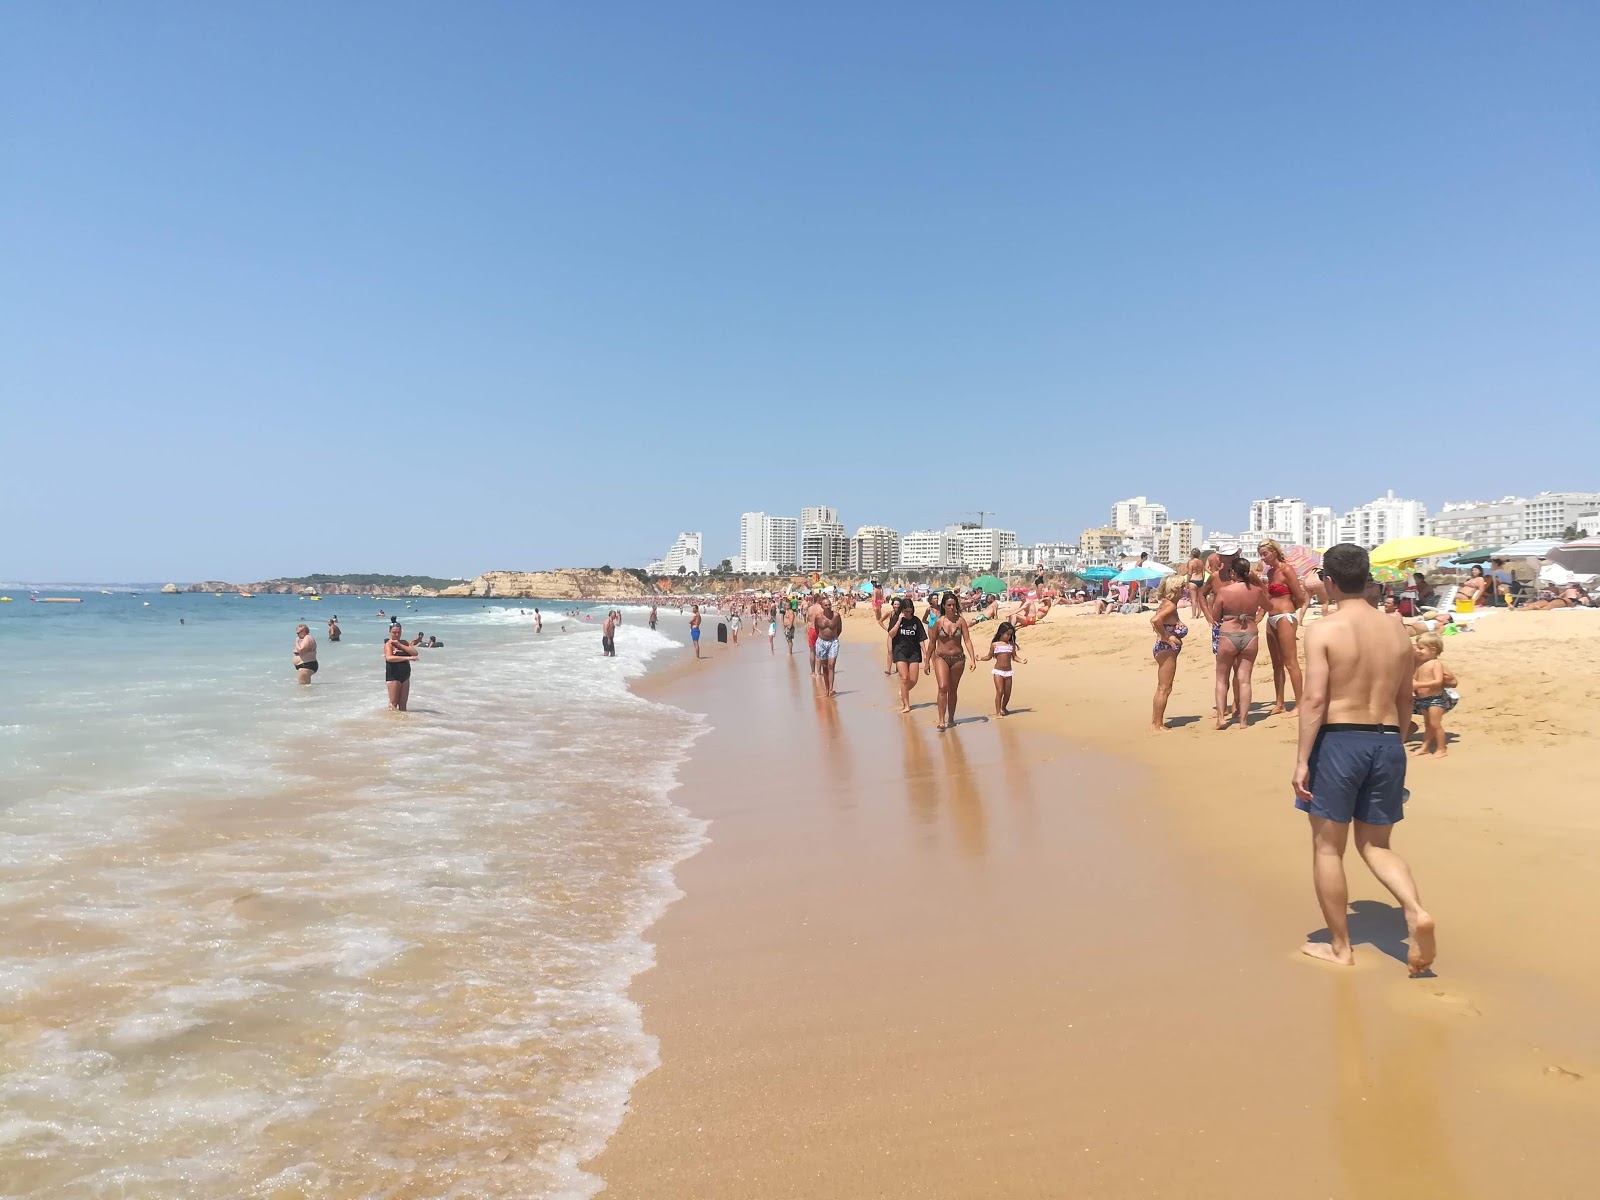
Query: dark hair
x,y
1005,628
1348,566
946,599
1475,567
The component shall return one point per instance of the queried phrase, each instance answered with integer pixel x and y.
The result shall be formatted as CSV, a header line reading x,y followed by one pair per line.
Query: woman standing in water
x,y
1003,650
1239,599
1286,601
948,658
1169,644
906,636
398,656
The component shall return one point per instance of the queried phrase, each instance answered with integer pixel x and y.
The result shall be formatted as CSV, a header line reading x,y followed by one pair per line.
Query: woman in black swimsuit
x,y
397,659
906,635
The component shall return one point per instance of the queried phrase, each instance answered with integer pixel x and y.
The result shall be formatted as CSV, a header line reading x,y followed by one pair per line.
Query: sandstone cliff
x,y
568,583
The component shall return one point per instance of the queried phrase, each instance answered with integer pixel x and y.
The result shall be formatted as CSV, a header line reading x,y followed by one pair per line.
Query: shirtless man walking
x,y
828,625
305,654
608,634
813,610
1352,762
788,626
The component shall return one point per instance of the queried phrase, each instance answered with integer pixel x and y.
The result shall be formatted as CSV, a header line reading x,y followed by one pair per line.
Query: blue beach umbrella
x,y
1138,575
1096,574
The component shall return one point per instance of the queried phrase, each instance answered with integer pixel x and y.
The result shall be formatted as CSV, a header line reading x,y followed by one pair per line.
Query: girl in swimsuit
x,y
1286,605
947,658
1003,650
1169,644
1240,599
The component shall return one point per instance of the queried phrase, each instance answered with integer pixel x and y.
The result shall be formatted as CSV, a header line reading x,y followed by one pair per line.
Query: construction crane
x,y
980,513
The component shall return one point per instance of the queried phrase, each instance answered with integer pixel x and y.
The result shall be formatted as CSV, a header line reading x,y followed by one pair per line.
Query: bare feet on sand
x,y
905,708
1422,948
1344,957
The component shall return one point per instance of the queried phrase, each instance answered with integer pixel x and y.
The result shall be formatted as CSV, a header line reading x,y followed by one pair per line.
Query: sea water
x,y
263,940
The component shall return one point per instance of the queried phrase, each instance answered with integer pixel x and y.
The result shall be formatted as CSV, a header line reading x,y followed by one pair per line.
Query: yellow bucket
x,y
1464,605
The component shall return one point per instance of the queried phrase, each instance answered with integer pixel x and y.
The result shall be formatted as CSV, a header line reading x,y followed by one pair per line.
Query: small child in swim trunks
x,y
1003,650
1431,697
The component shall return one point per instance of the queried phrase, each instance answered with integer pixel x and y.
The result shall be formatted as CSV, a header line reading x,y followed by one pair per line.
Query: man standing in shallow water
x,y
694,628
1352,761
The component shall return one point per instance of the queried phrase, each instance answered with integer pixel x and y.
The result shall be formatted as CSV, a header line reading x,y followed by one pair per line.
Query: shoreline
x,y
863,993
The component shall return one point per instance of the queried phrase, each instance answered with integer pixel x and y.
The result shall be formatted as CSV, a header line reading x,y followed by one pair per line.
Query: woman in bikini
x,y
1169,644
948,658
1003,650
1239,600
1286,605
1197,582
1476,587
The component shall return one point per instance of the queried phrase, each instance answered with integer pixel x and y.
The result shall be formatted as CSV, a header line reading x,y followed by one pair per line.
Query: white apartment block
x,y
930,550
1486,525
1052,556
825,548
1382,520
768,544
683,557
983,549
1482,525
875,550
1137,513
1292,521
819,515
1549,513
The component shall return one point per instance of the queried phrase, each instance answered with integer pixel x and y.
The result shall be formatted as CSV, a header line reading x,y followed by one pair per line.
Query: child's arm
x,y
1020,659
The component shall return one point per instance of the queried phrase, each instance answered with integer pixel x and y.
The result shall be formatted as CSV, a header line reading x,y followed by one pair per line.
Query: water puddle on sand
x,y
392,962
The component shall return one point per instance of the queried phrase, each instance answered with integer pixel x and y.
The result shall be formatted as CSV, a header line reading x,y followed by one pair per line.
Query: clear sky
x,y
451,288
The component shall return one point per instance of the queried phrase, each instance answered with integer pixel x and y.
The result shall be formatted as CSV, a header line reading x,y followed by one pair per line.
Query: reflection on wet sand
x,y
1387,1111
966,805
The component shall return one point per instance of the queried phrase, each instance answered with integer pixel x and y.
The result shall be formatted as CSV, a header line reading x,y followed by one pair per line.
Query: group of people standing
x,y
941,643
398,657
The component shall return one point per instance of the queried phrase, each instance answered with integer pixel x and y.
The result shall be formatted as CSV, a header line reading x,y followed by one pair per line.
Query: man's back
x,y
1368,663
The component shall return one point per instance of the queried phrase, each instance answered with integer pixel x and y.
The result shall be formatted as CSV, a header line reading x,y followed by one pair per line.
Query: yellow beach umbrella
x,y
1409,549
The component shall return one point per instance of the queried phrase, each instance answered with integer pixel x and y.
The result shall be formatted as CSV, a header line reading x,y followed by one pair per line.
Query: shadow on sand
x,y
1374,923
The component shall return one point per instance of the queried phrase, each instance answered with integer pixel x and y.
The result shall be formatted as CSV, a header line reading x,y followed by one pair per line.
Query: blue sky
x,y
446,289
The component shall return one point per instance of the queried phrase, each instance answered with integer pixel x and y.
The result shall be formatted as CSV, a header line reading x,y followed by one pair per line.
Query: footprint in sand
x,y
1460,1004
1562,1074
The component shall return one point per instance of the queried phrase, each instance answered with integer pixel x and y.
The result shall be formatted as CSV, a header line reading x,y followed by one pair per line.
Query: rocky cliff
x,y
569,583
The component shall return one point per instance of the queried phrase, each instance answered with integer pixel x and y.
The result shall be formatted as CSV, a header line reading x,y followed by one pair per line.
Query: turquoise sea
x,y
259,939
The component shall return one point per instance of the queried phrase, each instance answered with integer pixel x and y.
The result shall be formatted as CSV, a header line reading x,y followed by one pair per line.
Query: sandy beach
x,y
1058,954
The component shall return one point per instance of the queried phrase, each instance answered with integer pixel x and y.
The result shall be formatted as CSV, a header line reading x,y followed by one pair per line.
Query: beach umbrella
x,y
1096,574
1138,575
1403,550
1581,557
1527,548
1301,560
990,584
1388,573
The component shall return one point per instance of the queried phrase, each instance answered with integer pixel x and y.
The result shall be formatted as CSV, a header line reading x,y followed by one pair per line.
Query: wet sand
x,y
996,962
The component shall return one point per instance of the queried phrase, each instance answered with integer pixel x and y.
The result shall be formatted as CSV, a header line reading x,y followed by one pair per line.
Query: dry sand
x,y
1056,955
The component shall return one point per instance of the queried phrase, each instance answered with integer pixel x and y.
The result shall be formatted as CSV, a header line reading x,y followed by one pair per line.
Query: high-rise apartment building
x,y
821,514
1177,541
930,550
768,544
1292,521
682,559
1137,514
875,550
1098,545
1381,520
824,548
1548,514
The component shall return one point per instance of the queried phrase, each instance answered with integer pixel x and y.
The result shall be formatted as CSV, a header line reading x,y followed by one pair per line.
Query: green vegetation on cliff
x,y
399,582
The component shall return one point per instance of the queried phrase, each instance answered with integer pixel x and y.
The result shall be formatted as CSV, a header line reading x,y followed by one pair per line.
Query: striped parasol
x,y
1301,560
